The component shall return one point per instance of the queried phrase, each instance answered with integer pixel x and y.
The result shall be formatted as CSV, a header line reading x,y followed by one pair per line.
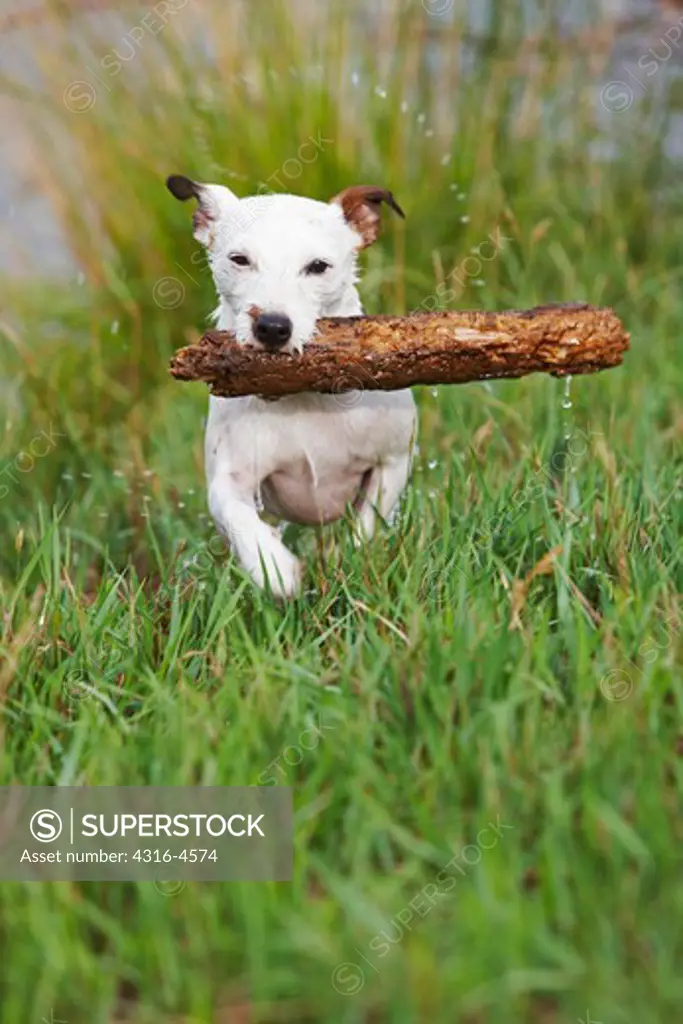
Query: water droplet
x,y
435,392
445,159
67,476
355,79
421,118
87,476
117,472
181,504
429,133
465,219
115,327
453,188
432,464
462,195
382,93
567,400
404,107
478,283
80,278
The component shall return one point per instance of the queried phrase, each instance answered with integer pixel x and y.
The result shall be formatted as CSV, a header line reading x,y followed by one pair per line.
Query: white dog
x,y
280,262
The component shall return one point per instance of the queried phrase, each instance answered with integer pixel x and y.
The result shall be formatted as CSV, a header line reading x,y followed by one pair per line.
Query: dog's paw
x,y
364,526
282,577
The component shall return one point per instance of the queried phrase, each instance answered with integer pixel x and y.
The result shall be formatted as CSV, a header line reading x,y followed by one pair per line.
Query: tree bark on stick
x,y
390,352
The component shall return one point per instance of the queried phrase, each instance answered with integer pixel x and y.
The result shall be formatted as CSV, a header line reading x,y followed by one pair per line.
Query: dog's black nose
x,y
273,329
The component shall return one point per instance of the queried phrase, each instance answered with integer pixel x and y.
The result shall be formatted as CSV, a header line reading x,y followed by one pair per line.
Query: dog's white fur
x,y
304,458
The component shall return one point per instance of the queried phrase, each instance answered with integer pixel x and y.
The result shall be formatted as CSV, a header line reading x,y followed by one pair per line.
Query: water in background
x,y
643,64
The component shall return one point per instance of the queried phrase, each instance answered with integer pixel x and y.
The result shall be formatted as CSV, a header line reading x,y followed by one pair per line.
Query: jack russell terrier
x,y
279,263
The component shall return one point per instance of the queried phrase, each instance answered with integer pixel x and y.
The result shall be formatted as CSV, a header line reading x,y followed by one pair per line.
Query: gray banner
x,y
161,834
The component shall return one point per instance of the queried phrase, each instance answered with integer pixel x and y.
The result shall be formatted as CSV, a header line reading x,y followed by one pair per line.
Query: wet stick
x,y
390,352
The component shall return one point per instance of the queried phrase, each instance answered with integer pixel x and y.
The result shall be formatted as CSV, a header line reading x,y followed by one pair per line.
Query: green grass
x,y
455,686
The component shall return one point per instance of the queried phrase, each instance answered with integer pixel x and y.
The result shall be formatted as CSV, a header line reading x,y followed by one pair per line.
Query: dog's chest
x,y
299,494
318,458
308,456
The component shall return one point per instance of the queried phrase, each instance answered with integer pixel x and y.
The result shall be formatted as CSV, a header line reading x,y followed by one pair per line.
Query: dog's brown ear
x,y
182,188
214,202
362,205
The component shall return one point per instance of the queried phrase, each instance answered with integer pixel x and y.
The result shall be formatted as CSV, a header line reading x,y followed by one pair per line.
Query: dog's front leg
x,y
385,487
257,545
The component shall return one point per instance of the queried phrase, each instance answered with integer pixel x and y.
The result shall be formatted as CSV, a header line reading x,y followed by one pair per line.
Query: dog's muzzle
x,y
273,330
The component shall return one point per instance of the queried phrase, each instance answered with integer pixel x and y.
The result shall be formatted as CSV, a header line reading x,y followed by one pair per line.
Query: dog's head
x,y
280,262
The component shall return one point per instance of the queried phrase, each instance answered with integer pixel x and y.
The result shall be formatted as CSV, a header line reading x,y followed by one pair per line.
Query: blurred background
x,y
536,148
540,120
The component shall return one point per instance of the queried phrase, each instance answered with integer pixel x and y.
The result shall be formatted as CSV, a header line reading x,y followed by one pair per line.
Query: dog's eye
x,y
240,260
317,267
